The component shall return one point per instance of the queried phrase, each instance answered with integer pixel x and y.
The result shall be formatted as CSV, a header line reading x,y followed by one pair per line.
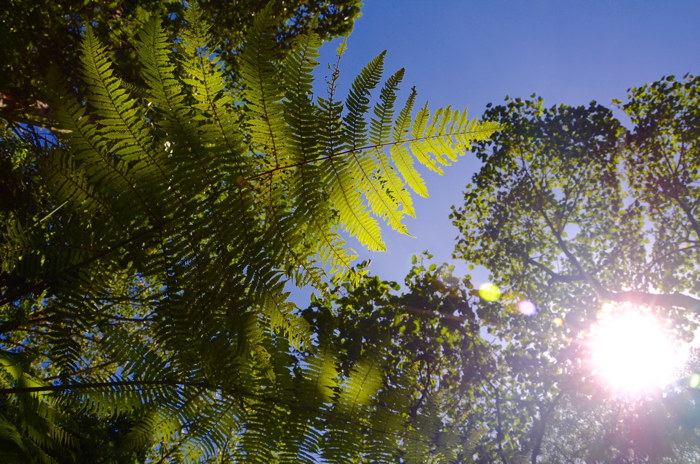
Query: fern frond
x,y
29,427
417,145
170,99
379,137
357,394
196,209
12,448
357,104
263,92
380,125
299,113
400,154
447,136
90,151
312,212
343,195
316,392
218,124
346,198
124,125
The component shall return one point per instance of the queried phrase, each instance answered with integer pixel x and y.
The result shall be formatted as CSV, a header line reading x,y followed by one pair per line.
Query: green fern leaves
x,y
180,213
339,163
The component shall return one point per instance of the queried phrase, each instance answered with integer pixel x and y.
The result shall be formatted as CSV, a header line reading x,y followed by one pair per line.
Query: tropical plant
x,y
149,282
41,33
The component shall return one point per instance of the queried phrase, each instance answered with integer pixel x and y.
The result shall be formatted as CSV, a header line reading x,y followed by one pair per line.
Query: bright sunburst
x,y
632,352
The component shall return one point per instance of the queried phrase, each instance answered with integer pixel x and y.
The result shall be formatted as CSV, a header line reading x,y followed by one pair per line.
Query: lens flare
x,y
694,381
558,321
489,292
633,354
527,308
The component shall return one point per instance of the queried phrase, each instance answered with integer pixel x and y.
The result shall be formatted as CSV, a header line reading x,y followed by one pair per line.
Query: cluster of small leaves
x,y
570,211
433,322
662,156
552,175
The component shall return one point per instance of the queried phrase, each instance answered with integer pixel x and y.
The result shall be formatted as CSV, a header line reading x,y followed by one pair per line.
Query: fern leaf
x,y
380,129
170,99
357,104
89,148
380,125
346,199
418,146
123,123
263,93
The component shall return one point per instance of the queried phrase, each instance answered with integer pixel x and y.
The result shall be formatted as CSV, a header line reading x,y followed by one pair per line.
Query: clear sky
x,y
472,52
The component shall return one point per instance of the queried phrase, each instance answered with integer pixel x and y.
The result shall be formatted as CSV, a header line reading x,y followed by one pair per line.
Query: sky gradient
x,y
472,52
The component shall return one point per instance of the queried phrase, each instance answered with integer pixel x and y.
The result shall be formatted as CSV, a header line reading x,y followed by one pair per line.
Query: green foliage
x,y
570,211
662,155
422,340
603,429
39,34
554,168
565,168
171,219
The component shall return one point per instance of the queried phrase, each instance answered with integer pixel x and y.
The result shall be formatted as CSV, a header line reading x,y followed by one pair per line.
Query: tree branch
x,y
36,115
667,300
82,371
427,313
499,430
542,426
556,277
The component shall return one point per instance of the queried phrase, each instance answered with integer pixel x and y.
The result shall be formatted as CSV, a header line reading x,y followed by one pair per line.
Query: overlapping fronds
x,y
179,216
28,423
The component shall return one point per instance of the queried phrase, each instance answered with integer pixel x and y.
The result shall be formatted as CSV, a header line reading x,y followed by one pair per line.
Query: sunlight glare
x,y
631,351
489,292
527,308
694,381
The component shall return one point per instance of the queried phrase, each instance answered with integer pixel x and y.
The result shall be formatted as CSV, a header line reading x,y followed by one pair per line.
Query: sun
x,y
632,352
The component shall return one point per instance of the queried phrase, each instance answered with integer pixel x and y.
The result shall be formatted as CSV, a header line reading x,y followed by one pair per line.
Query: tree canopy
x,y
185,174
572,210
597,204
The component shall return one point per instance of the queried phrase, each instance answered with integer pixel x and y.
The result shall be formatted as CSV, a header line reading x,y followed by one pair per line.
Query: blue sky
x,y
472,52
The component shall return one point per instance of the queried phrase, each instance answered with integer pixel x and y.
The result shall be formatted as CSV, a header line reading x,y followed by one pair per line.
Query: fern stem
x,y
355,150
89,385
82,371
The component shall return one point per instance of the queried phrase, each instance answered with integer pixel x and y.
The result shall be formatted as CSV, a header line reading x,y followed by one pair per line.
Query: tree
x,y
604,429
434,329
39,34
429,334
506,402
151,278
571,210
568,167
